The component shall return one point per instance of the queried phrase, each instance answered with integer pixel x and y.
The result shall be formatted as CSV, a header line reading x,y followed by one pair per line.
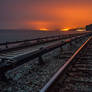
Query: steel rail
x,y
63,68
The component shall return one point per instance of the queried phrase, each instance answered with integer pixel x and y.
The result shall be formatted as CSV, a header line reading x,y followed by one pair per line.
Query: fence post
x,y
6,45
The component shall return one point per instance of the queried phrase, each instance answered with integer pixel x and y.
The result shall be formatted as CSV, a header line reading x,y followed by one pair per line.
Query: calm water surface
x,y
13,35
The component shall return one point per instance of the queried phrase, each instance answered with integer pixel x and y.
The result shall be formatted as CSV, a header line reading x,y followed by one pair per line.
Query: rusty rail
x,y
60,72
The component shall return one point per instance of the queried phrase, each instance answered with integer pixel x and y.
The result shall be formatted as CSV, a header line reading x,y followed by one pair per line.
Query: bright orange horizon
x,y
47,14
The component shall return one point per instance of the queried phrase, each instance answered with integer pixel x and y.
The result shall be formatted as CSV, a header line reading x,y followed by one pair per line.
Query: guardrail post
x,y
6,45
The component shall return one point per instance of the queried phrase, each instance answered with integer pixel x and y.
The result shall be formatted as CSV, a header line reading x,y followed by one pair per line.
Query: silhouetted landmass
x,y
89,27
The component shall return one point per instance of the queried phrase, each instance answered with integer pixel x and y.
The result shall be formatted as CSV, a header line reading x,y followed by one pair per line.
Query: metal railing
x,y
9,46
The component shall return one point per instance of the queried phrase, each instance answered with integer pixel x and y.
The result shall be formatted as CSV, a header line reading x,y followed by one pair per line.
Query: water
x,y
14,35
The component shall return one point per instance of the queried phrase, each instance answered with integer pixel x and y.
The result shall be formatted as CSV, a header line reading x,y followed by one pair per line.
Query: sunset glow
x,y
44,29
66,29
80,30
51,14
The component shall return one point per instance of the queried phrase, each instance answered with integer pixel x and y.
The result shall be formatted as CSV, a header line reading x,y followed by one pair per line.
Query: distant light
x,y
44,29
80,30
66,29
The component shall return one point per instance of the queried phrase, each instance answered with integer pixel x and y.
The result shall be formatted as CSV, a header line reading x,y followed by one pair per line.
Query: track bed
x,y
76,74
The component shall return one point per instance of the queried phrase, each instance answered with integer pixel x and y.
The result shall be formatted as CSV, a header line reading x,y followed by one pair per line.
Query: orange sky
x,y
63,17
51,14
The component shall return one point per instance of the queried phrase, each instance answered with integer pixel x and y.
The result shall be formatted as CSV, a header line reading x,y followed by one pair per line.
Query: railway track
x,y
23,73
76,74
